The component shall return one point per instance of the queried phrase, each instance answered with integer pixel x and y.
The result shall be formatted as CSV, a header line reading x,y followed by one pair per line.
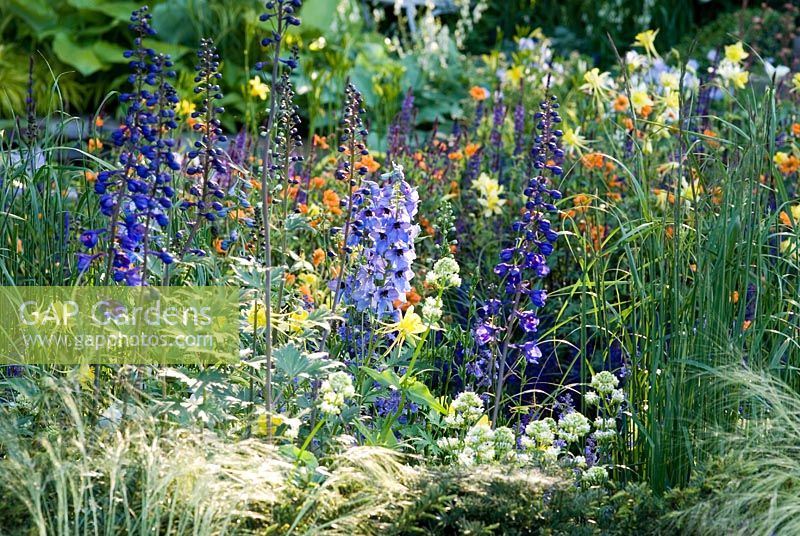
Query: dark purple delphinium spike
x,y
495,137
525,261
138,194
31,127
401,128
352,144
206,191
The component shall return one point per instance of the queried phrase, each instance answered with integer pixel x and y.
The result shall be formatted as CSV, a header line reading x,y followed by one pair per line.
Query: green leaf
x,y
109,52
118,10
318,14
296,454
294,363
387,378
84,59
418,392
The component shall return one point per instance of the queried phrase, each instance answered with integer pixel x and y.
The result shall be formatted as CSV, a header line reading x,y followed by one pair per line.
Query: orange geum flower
x,y
95,145
795,129
316,182
455,155
99,121
290,279
90,176
368,162
621,103
471,149
321,142
592,160
331,200
735,296
318,256
479,93
217,243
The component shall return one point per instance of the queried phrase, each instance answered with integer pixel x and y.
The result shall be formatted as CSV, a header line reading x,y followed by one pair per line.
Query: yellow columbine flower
x,y
596,83
257,316
297,320
308,278
258,88
647,40
573,140
489,190
735,52
408,328
796,83
640,99
514,75
740,79
690,192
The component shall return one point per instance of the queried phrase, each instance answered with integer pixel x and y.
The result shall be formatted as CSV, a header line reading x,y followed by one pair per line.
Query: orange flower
x,y
454,189
669,231
99,122
735,296
453,249
20,249
790,165
581,202
217,243
368,162
456,155
646,111
290,279
795,129
479,93
592,160
621,103
305,291
628,122
471,149
321,142
711,134
316,182
90,176
303,208
95,145
318,256
746,325
331,200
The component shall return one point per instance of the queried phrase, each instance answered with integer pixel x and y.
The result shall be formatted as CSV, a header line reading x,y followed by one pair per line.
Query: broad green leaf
x,y
418,392
387,378
82,58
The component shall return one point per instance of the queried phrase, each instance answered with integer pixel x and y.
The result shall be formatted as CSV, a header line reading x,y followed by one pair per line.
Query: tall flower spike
x,y
525,262
352,146
136,196
208,159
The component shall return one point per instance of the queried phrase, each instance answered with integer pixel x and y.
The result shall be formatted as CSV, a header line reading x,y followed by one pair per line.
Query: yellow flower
x,y
596,83
573,140
86,376
735,52
489,190
796,83
740,79
308,278
514,75
640,99
647,40
408,328
790,249
297,320
690,192
257,316
258,88
186,108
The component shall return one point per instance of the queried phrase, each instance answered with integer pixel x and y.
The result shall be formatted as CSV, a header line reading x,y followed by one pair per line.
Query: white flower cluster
x,y
605,430
334,390
444,274
466,410
432,310
573,426
542,432
595,475
479,447
605,386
